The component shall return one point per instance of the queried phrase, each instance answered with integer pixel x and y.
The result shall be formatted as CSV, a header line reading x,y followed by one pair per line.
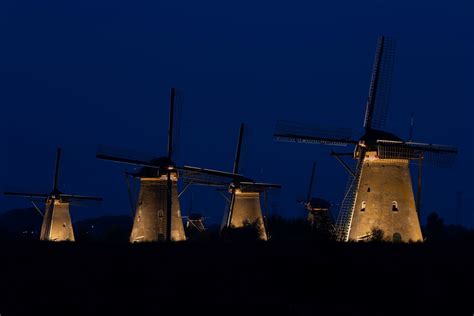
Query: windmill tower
x,y
57,224
319,216
158,207
244,206
379,193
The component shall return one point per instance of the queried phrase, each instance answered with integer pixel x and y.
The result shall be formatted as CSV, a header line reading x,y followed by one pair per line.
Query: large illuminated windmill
x,y
158,208
57,225
244,204
379,193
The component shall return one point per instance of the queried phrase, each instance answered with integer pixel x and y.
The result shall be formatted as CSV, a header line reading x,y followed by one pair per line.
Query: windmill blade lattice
x,y
27,195
305,133
258,187
78,198
199,178
441,155
381,82
346,212
125,156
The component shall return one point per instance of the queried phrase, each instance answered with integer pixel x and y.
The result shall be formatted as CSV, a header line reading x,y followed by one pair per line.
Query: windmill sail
x,y
28,195
305,133
311,180
436,154
346,212
257,186
125,156
56,171
380,86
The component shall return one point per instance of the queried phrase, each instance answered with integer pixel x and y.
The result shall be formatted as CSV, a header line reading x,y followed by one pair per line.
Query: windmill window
x,y
368,189
160,213
362,207
394,206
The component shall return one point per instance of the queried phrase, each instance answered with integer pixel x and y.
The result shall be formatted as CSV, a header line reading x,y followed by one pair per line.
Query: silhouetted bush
x,y
104,229
280,229
248,232
377,235
434,227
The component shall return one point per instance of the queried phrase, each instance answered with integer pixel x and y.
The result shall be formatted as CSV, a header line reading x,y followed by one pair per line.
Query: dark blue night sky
x,y
78,74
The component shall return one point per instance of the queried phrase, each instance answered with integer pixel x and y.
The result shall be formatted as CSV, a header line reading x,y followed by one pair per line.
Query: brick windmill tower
x,y
379,193
57,224
157,216
244,203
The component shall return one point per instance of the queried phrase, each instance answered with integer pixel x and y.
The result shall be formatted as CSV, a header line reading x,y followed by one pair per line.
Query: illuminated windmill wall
x,y
379,193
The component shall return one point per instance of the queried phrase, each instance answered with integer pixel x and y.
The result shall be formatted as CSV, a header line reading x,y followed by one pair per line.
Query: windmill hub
x,y
237,189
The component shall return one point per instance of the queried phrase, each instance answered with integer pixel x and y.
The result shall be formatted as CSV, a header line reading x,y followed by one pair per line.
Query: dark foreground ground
x,y
273,278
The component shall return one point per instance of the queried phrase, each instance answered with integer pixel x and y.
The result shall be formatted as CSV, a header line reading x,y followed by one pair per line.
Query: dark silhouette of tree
x,y
434,227
248,232
21,224
377,235
280,228
298,229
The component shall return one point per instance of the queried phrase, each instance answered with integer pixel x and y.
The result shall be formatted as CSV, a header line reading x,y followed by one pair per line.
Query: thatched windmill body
x,y
56,224
379,193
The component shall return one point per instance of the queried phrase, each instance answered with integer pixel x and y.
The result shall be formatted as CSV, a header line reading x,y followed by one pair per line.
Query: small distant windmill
x,y
319,216
244,203
57,225
379,192
158,216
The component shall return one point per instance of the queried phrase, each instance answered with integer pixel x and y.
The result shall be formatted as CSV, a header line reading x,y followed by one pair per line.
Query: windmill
x,y
158,208
56,225
244,203
319,216
379,192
